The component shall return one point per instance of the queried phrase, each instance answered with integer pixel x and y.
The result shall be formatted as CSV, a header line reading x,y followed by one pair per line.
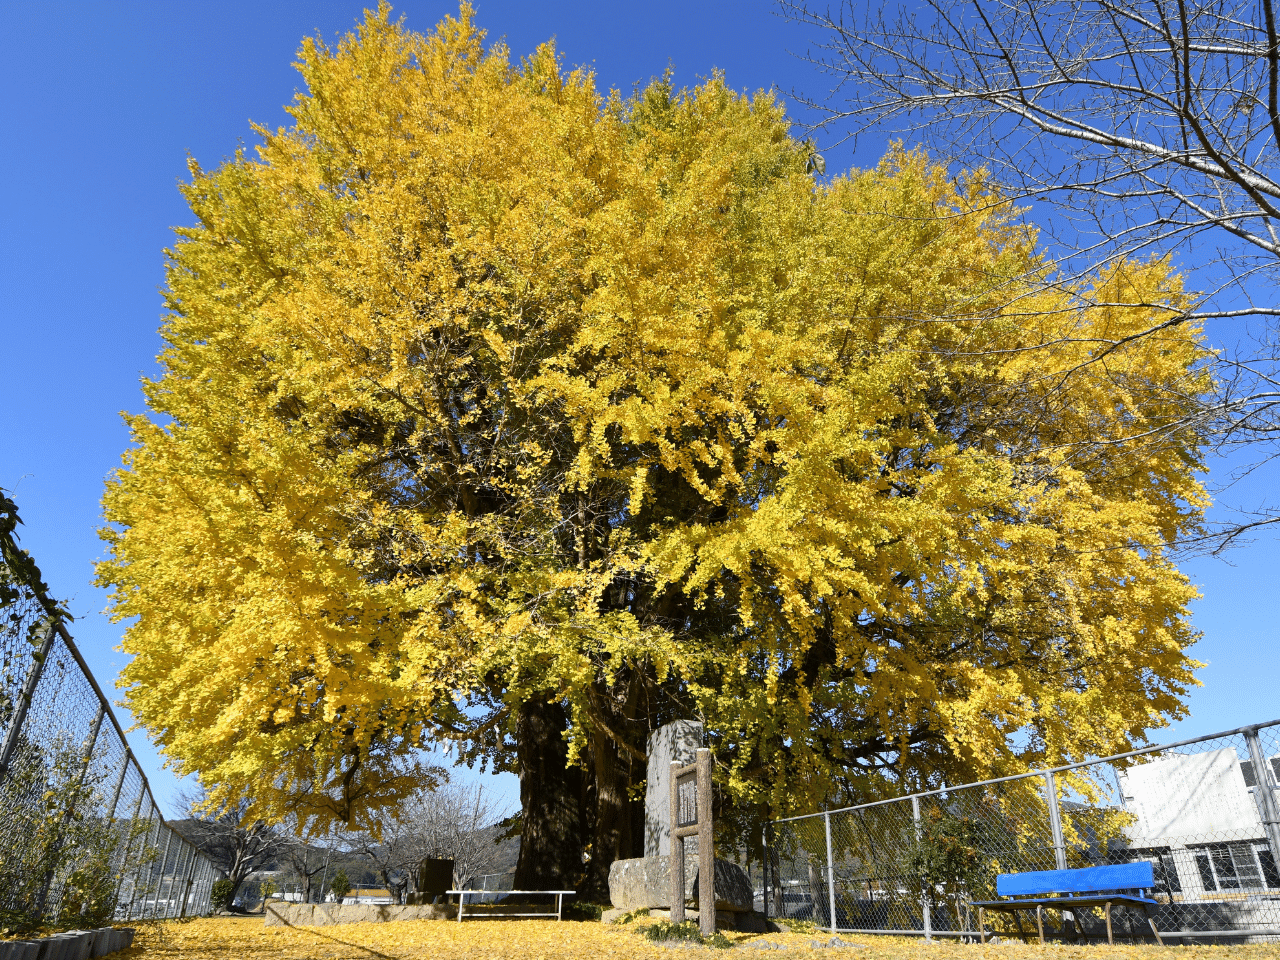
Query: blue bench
x,y
1119,884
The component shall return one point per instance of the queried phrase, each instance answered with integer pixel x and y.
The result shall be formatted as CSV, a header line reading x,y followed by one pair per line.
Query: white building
x,y
1197,817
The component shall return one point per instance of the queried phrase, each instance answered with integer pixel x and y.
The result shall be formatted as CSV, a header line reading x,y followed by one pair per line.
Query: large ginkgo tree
x,y
499,411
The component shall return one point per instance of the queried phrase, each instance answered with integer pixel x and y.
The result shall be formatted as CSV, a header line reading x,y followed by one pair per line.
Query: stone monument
x,y
647,882
676,742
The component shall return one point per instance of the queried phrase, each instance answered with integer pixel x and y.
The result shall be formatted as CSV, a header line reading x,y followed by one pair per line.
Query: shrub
x,y
340,885
665,930
220,895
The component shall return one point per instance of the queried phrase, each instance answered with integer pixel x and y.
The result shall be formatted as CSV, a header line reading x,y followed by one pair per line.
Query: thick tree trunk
x,y
611,821
550,801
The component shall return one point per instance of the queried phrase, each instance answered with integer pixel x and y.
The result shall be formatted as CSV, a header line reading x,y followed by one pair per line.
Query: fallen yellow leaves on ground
x,y
250,939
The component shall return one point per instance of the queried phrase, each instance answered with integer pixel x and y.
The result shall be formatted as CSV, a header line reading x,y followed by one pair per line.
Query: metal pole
x,y
189,880
1055,821
926,908
128,847
164,865
24,700
115,793
764,874
91,741
706,847
137,873
1266,796
831,874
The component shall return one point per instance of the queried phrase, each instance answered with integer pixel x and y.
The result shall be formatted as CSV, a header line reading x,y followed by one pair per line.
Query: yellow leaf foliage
x,y
249,939
482,387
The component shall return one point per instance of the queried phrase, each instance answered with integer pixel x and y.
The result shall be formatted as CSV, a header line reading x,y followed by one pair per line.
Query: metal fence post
x,y
189,880
831,873
926,911
128,847
164,865
137,873
764,873
115,793
1262,777
24,700
1055,821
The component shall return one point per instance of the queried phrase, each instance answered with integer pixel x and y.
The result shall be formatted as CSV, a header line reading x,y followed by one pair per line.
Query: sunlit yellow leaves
x,y
249,939
483,387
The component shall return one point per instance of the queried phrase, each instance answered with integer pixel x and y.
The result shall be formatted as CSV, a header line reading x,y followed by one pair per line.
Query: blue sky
x,y
101,105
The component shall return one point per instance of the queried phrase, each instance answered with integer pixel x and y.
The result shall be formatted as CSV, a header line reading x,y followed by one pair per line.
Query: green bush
x,y
59,835
665,930
340,885
581,910
220,894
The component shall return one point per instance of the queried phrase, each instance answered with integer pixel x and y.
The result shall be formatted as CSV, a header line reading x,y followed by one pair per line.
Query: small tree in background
x,y
450,822
340,886
948,860
221,893
236,845
308,864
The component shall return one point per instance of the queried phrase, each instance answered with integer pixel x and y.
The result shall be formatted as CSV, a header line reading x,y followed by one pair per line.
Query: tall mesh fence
x,y
1204,812
81,840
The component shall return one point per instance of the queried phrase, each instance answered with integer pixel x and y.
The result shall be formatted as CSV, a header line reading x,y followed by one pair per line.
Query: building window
x,y
1166,872
1237,866
1246,768
1206,871
1163,867
1268,862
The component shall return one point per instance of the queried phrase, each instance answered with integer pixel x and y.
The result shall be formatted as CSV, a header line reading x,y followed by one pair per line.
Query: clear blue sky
x,y
101,104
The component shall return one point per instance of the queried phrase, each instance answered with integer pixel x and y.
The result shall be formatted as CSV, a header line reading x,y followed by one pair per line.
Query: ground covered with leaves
x,y
250,939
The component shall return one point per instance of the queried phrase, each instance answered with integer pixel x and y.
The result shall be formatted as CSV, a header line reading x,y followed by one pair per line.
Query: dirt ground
x,y
249,939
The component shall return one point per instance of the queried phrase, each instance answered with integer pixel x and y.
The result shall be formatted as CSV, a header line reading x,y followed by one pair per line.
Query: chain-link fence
x,y
1203,811
81,839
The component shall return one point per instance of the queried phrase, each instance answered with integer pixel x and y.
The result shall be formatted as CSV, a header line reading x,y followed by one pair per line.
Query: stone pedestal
x,y
732,888
725,919
329,914
646,882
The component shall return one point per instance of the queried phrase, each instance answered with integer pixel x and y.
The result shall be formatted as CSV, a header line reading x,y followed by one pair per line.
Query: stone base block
x,y
732,888
328,914
743,922
646,882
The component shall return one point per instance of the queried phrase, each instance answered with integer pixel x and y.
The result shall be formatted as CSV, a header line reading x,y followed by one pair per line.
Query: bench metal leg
x,y
559,901
1106,910
1151,920
1040,923
462,898
1018,922
1069,923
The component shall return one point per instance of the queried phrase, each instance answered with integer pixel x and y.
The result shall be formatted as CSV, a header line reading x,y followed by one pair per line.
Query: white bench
x,y
559,895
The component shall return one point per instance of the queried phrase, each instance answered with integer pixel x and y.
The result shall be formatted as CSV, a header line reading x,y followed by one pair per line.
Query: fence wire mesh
x,y
81,841
1205,813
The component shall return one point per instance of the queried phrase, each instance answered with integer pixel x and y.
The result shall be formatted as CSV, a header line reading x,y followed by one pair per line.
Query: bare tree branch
x,y
1152,127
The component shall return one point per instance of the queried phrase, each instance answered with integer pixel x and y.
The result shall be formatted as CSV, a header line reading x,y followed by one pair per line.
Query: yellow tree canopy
x,y
498,410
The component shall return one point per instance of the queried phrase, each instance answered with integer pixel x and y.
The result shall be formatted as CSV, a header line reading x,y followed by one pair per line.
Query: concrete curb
x,y
72,945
